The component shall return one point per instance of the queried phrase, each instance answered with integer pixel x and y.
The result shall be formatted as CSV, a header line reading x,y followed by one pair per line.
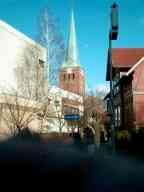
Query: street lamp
x,y
114,22
113,35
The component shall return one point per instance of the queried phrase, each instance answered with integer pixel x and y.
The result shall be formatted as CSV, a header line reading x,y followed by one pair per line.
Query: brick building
x,y
71,77
71,74
128,87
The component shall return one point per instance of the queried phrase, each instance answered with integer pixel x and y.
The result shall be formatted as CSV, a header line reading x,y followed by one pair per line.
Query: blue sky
x,y
92,25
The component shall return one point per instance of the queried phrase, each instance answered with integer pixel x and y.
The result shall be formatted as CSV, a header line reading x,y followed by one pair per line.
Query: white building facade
x,y
22,69
17,51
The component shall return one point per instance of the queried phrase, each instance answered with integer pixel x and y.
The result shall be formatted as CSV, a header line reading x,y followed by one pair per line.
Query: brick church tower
x,y
71,74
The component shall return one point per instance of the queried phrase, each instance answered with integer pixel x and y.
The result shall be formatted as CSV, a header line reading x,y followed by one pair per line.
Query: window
x,y
64,77
73,76
116,116
116,78
119,116
68,76
108,106
116,90
70,110
41,63
75,111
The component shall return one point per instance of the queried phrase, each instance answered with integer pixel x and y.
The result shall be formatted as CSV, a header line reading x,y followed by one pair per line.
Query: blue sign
x,y
73,117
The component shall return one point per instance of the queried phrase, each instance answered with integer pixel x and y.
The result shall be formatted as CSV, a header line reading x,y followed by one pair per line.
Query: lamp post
x,y
113,35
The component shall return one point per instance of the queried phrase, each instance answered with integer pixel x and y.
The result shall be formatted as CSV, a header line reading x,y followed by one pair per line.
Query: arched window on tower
x,y
68,76
73,76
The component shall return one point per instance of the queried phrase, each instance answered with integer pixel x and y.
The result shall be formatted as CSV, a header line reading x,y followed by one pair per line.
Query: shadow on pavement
x,y
53,165
61,167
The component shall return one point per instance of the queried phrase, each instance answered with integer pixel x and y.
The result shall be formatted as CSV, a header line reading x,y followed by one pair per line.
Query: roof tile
x,y
126,57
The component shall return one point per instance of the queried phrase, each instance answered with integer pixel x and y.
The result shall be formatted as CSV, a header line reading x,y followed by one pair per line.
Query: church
x,y
71,74
71,88
22,69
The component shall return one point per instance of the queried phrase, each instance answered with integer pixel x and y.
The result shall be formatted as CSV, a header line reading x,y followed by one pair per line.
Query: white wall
x,y
12,46
56,93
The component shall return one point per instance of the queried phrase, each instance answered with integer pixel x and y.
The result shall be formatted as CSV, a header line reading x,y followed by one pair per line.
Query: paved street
x,y
115,173
70,168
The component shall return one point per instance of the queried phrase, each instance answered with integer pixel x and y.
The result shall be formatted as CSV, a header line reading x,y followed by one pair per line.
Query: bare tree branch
x,y
51,38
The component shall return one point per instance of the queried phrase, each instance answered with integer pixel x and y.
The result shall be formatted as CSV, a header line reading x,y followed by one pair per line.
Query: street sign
x,y
72,117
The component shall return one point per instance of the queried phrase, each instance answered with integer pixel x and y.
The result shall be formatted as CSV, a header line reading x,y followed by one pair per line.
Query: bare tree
x,y
50,37
29,97
93,115
29,74
18,112
44,114
58,113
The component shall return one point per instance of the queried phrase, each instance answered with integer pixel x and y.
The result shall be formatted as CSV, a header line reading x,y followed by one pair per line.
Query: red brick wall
x,y
138,78
139,109
76,84
128,104
138,94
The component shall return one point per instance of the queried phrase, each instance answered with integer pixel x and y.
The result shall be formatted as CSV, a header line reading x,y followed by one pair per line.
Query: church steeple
x,y
71,75
71,56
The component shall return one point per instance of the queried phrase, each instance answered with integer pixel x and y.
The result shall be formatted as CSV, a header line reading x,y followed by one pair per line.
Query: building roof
x,y
125,75
135,66
58,92
124,58
72,56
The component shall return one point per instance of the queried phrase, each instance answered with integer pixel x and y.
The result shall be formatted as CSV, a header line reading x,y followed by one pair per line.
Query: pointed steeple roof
x,y
71,56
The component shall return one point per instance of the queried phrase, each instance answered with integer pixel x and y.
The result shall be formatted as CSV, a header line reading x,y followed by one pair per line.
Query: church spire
x,y
71,56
